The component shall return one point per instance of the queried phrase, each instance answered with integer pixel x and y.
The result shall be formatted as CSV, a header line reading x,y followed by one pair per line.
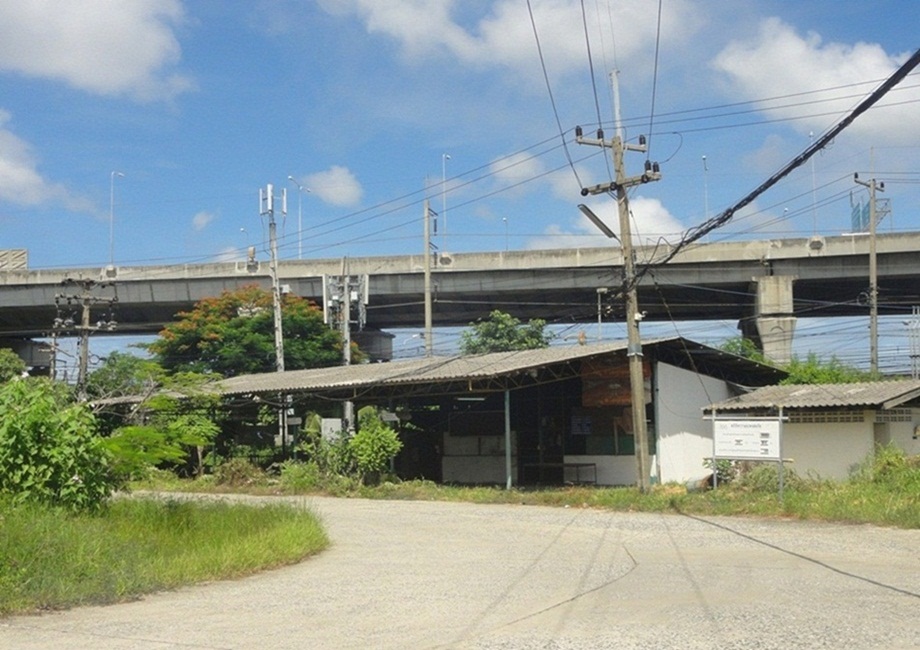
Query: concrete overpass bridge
x,y
764,285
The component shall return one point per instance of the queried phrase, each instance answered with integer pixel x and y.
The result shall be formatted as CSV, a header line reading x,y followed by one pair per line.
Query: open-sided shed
x,y
564,410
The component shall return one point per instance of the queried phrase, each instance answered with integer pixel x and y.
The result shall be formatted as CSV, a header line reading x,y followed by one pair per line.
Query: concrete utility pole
x,y
634,341
427,266
267,209
65,321
873,271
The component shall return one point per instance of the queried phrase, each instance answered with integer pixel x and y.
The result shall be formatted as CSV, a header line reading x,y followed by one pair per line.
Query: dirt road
x,y
449,575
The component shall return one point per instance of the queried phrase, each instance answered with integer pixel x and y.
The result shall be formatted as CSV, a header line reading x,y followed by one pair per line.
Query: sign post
x,y
748,439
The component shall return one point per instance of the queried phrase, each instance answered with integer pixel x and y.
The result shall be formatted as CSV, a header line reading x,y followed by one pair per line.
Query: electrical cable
x,y
651,119
819,143
550,92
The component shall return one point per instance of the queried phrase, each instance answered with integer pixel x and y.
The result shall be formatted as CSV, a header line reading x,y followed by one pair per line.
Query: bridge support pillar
x,y
36,356
774,318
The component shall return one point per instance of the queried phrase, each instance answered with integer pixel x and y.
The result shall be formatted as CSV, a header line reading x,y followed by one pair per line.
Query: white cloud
x,y
781,62
106,47
515,171
651,222
201,220
336,186
504,36
231,254
20,181
771,155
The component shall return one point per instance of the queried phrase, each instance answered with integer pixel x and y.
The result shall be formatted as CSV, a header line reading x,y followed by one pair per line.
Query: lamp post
x,y
300,190
112,217
444,158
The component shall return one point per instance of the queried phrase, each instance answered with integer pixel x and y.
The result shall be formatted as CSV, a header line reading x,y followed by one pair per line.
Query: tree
x,y
166,427
814,371
502,332
10,365
124,374
742,347
233,334
49,450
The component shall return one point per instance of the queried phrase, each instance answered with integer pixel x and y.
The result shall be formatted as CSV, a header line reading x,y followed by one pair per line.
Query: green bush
x,y
374,445
725,470
891,467
49,450
297,476
332,456
764,477
239,472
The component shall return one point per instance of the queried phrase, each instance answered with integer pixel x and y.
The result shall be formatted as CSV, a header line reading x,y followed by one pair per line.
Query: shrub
x,y
725,470
764,477
49,452
374,445
238,472
297,476
891,467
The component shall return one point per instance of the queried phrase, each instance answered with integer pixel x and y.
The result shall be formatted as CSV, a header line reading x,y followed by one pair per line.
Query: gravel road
x,y
455,575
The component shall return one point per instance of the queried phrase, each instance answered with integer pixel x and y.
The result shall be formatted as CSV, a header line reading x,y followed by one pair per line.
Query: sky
x,y
141,132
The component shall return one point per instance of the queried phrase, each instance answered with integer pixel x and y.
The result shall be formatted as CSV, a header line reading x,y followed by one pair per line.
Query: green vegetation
x,y
814,371
811,370
51,559
233,334
124,374
49,450
501,332
11,365
166,427
884,492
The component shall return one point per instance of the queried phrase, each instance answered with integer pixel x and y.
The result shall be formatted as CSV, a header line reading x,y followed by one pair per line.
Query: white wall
x,y
684,437
611,470
828,449
905,435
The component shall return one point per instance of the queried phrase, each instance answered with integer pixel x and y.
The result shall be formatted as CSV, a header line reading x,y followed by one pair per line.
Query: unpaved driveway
x,y
452,575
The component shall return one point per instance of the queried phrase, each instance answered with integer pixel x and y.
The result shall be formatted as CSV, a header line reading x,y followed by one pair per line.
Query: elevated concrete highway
x,y
762,284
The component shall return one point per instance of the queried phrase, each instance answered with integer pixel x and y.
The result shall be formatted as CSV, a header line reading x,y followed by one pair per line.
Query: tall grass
x,y
51,559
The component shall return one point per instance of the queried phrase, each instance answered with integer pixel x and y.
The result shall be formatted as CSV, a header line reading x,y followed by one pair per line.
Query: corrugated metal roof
x,y
877,394
440,370
414,371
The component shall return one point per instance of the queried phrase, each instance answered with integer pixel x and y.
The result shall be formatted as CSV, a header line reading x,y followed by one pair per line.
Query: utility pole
x,y
634,341
267,209
873,272
427,266
65,305
338,294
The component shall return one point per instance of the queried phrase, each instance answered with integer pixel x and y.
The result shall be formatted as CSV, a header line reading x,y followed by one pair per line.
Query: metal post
x,y
112,217
601,291
507,439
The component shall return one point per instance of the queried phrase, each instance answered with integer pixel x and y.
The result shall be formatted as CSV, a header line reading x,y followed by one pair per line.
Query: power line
x,y
819,143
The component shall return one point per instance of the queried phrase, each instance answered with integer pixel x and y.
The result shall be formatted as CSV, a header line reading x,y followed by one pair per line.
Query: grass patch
x,y
50,559
885,491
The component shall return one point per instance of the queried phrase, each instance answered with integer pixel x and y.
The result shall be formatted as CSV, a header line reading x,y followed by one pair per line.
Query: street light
x,y
300,190
444,158
112,217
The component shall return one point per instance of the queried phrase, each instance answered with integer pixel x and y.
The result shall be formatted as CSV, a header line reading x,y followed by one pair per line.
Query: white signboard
x,y
746,439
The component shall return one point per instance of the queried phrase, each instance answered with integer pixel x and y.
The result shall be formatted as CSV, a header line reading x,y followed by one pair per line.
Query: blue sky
x,y
200,103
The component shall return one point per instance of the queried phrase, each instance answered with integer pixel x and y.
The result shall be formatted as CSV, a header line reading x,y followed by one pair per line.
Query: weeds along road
x,y
454,575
